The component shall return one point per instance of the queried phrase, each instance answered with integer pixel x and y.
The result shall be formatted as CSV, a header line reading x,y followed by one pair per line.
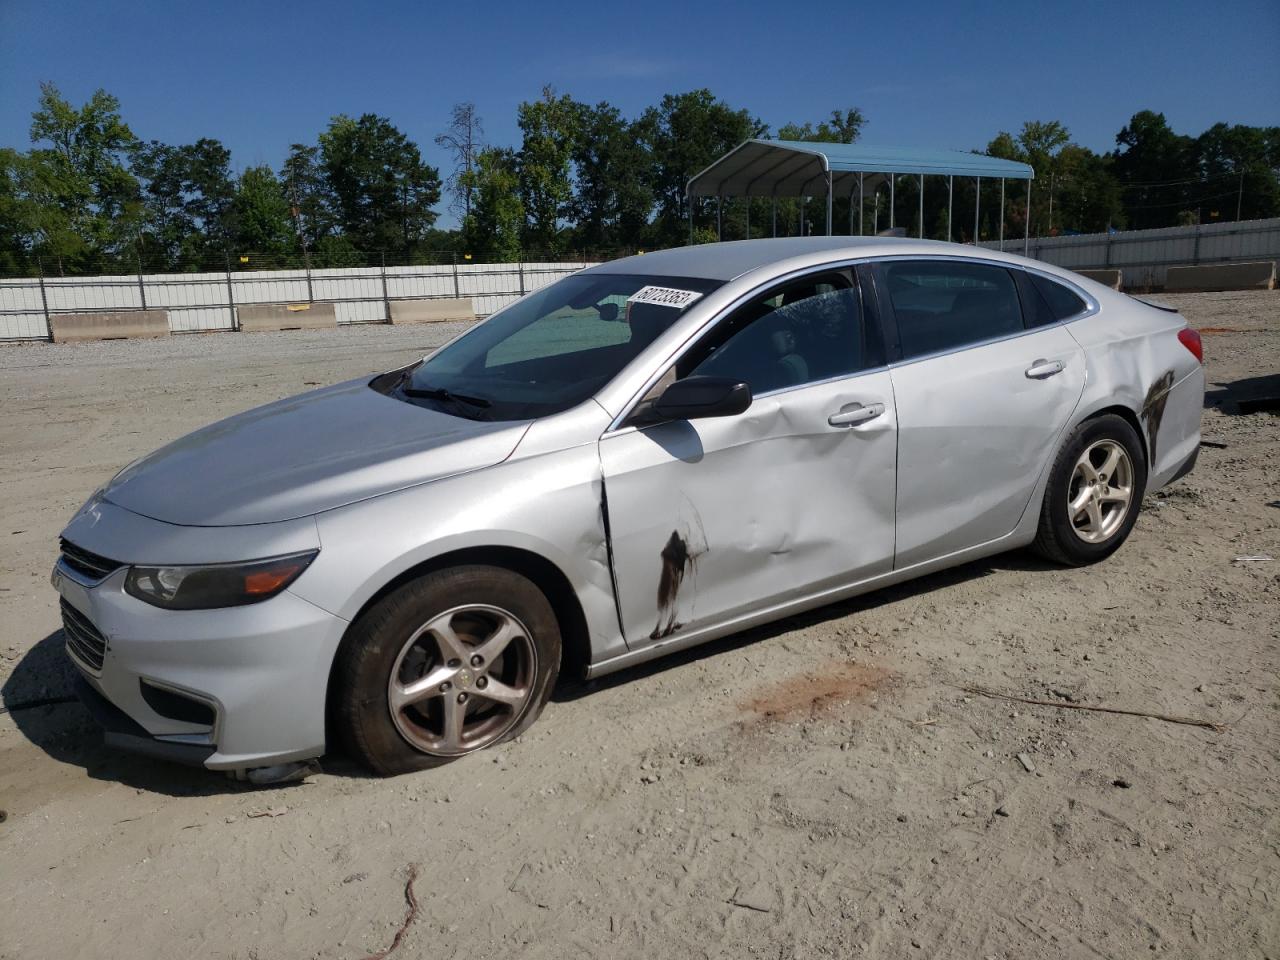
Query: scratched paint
x,y
679,558
1153,410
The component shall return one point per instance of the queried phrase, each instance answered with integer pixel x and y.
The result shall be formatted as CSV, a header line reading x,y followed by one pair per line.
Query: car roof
x,y
728,261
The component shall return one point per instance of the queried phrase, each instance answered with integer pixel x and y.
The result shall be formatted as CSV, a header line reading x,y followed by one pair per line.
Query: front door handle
x,y
1043,369
858,414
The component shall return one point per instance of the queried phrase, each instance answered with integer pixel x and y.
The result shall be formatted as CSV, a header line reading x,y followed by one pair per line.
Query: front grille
x,y
84,642
87,564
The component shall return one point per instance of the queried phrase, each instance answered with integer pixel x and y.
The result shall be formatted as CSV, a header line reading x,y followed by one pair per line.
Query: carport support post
x,y
977,204
773,204
862,200
1002,214
1026,231
688,199
828,203
893,180
950,197
922,206
719,218
457,287
748,217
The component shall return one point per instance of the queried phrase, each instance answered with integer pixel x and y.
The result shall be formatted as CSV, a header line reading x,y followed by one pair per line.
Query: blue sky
x,y
259,76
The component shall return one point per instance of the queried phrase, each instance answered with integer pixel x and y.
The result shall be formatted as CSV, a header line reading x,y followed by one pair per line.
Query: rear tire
x,y
444,666
1095,488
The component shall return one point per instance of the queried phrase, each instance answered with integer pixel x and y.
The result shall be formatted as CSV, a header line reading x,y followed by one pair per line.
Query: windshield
x,y
550,351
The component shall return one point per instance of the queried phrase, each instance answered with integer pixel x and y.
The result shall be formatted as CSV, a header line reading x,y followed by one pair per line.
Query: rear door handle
x,y
859,414
1043,369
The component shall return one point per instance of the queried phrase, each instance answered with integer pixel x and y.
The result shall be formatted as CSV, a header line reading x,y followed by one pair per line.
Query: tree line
x,y
91,196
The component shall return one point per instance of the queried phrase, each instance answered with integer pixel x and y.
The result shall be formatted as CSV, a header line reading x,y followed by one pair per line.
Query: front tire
x,y
1095,489
444,666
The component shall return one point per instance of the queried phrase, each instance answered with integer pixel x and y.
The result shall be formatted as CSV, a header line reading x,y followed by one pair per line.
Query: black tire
x,y
1056,538
374,644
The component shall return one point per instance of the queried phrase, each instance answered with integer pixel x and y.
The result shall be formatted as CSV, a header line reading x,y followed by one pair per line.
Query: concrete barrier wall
x,y
1108,278
126,324
1260,275
262,317
443,310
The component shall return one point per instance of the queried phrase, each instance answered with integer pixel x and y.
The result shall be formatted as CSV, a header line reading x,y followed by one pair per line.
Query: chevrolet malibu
x,y
640,457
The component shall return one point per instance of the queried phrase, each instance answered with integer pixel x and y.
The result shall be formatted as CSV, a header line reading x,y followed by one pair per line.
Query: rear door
x,y
982,398
713,519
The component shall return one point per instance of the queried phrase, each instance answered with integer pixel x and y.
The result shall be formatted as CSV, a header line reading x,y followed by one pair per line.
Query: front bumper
x,y
229,689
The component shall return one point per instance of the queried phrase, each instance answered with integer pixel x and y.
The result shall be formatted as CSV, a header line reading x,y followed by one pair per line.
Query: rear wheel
x,y
1094,492
445,666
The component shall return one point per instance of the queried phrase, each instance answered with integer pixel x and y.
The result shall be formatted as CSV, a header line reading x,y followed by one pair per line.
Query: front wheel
x,y
1094,492
444,666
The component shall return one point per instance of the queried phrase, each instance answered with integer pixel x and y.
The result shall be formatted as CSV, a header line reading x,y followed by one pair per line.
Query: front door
x,y
715,519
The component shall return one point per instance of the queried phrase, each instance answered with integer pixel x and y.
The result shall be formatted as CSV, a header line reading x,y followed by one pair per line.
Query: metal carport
x,y
793,168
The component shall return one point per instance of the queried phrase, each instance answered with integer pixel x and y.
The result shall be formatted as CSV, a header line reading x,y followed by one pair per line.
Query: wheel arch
x,y
545,575
1130,416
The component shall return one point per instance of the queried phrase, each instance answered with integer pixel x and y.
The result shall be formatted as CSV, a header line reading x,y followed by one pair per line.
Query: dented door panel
x,y
710,519
975,432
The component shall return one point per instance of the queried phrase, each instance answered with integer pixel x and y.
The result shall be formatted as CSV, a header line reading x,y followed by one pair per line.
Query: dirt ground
x,y
819,788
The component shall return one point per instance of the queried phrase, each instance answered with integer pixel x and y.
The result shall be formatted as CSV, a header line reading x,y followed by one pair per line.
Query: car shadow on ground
x,y
39,694
571,688
1248,395
39,698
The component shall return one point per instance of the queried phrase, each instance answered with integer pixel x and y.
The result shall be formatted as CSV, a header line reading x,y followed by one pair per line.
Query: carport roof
x,y
792,168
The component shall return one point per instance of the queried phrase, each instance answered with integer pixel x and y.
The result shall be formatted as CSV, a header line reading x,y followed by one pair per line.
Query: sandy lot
x,y
822,787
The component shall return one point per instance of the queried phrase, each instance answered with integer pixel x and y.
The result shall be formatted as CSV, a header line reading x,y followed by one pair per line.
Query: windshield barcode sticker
x,y
664,296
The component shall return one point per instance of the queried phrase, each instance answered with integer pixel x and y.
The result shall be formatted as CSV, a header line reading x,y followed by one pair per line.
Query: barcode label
x,y
664,296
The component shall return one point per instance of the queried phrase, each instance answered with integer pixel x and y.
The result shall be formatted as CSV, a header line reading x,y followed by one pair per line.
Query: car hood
x,y
306,454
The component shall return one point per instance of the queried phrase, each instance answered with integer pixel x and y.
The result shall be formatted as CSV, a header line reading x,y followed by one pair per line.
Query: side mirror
x,y
697,397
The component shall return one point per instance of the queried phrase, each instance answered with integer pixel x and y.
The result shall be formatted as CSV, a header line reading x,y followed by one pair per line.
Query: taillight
x,y
1191,340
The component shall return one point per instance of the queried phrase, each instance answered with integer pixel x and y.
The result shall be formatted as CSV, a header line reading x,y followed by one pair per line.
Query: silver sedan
x,y
641,457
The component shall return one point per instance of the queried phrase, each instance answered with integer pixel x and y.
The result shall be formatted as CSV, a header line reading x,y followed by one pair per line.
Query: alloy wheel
x,y
1100,493
462,680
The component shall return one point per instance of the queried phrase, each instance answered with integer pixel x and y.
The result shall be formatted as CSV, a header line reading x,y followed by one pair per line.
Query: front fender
x,y
548,504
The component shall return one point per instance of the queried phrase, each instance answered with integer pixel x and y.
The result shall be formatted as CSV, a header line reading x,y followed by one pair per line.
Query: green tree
x,y
549,125
1240,168
1153,165
17,215
843,127
612,197
1074,189
79,167
382,191
260,214
684,134
188,194
310,204
492,231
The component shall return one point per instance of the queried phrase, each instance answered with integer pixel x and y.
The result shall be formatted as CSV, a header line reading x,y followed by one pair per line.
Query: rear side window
x,y
942,305
1062,302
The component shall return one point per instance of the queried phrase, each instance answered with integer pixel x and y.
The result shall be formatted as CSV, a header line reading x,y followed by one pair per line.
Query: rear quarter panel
x,y
1133,359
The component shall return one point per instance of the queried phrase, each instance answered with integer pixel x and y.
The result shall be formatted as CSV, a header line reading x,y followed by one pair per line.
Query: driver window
x,y
807,331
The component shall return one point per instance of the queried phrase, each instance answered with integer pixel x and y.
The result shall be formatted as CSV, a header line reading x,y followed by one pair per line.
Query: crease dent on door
x,y
710,519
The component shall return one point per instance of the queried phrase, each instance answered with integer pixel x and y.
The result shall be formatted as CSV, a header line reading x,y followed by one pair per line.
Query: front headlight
x,y
216,585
